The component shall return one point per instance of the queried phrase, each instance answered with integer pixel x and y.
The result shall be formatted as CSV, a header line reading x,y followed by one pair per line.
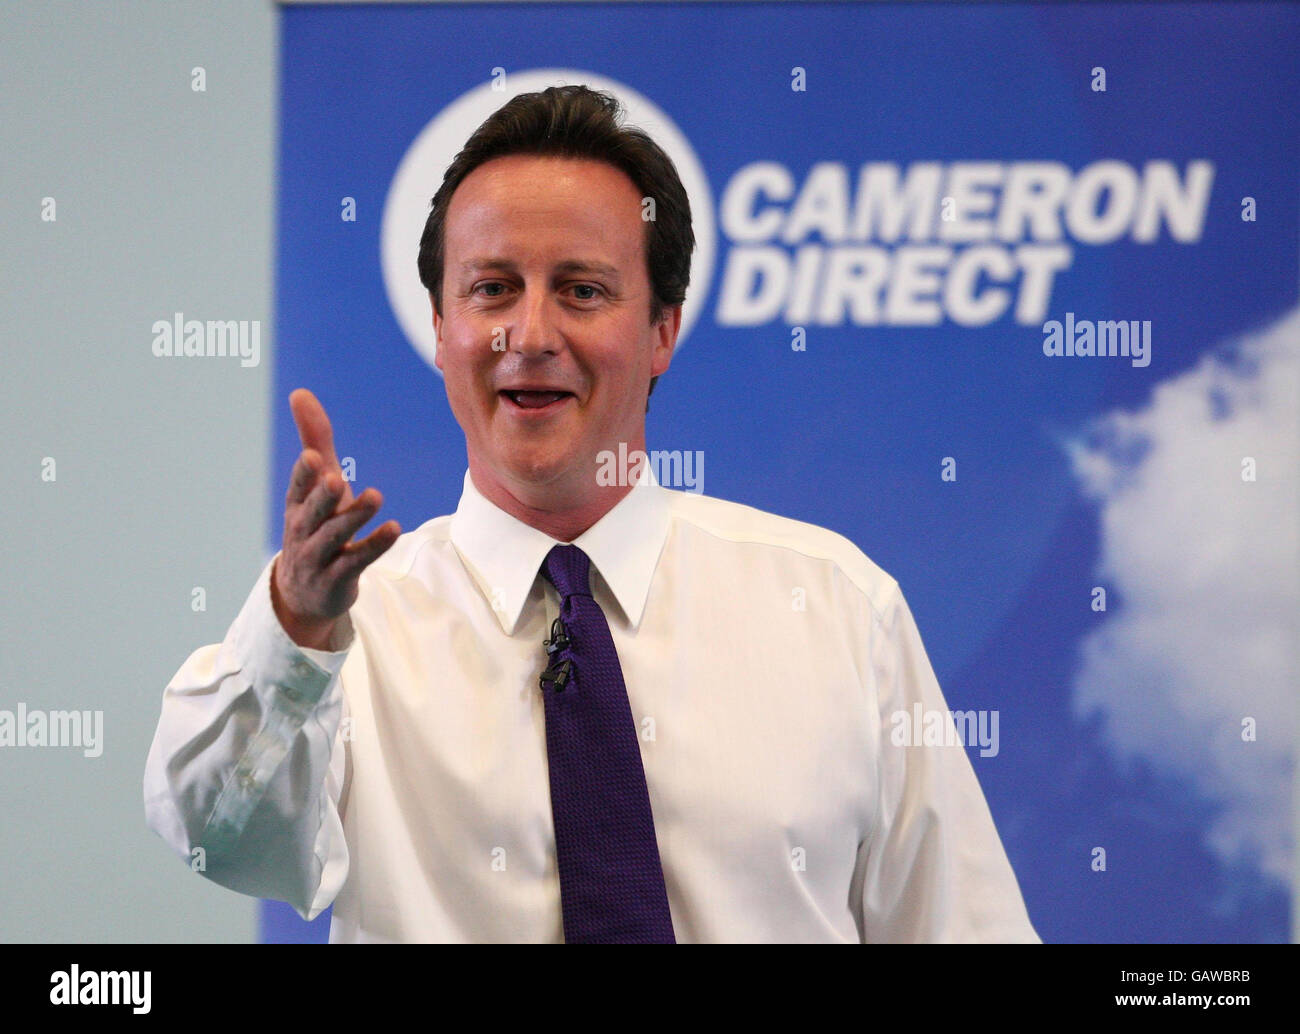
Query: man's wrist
x,y
315,635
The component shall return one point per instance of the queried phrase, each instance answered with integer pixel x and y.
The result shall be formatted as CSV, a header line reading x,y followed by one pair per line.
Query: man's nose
x,y
536,330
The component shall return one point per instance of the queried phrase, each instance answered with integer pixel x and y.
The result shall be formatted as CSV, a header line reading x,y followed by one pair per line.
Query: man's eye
x,y
484,287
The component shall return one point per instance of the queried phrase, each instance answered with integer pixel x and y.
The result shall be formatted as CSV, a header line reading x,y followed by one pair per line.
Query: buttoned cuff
x,y
290,681
270,658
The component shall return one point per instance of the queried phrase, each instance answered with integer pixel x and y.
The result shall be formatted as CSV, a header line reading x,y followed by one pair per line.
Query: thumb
x,y
313,425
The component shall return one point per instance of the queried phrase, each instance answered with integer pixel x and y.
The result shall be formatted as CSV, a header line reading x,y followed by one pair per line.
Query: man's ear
x,y
666,331
437,333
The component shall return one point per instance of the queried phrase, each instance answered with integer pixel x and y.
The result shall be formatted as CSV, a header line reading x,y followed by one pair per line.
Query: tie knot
x,y
568,568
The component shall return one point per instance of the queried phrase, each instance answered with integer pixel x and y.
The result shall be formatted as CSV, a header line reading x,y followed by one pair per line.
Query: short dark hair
x,y
577,122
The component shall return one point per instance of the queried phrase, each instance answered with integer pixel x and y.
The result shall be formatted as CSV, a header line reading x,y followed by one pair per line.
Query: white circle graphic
x,y
420,172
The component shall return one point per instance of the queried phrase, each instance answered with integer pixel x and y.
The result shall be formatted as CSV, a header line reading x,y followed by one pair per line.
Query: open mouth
x,y
536,401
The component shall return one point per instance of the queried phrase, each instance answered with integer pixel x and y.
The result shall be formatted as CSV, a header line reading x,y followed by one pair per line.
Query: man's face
x,y
545,258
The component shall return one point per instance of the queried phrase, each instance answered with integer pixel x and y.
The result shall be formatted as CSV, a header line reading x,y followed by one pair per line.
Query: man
x,y
574,710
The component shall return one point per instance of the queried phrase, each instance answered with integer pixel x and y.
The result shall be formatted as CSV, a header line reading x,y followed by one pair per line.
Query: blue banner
x,y
1006,294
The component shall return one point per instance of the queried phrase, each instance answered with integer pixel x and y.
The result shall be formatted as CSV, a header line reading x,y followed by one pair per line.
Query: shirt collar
x,y
504,555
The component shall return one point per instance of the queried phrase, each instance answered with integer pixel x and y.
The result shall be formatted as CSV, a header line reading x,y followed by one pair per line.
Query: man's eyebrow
x,y
589,266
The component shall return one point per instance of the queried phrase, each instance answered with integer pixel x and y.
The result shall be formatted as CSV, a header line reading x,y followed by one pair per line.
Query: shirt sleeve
x,y
935,869
246,770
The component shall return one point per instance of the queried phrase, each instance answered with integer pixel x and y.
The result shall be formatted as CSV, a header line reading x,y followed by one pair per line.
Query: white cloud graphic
x,y
1203,567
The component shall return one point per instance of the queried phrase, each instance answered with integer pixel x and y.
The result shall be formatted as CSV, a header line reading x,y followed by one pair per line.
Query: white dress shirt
x,y
403,776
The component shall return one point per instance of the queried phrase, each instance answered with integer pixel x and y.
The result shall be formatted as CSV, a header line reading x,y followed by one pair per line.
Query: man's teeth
x,y
536,399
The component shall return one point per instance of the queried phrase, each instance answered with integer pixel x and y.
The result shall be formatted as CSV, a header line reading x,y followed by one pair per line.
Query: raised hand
x,y
315,578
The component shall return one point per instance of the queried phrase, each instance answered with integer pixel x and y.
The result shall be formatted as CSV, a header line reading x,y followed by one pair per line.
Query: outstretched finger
x,y
334,533
304,475
313,425
321,503
357,556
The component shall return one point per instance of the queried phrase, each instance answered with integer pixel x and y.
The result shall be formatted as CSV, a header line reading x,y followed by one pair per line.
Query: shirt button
x,y
292,694
301,667
246,780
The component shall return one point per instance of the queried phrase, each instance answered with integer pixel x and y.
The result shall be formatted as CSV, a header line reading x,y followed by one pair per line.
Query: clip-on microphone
x,y
556,674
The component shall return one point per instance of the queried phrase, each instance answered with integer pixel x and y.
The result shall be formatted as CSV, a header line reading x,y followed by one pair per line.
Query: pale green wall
x,y
164,203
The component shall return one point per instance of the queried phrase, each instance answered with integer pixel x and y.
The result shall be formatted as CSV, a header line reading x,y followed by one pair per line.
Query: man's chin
x,y
540,471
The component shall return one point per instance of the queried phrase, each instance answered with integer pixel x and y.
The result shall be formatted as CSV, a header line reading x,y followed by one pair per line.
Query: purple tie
x,y
611,882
